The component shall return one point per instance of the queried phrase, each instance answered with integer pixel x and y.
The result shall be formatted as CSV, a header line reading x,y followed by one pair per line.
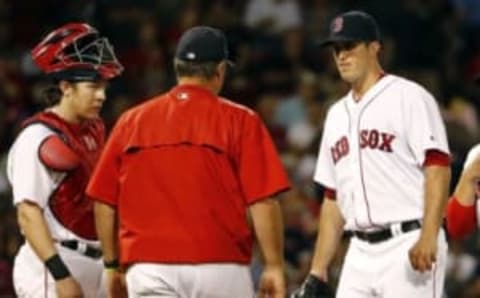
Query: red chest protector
x,y
68,202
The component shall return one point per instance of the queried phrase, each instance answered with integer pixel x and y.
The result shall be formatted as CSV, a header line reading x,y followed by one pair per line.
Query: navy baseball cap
x,y
202,44
352,26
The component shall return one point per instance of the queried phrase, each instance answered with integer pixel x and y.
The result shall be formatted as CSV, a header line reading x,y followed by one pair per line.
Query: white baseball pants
x,y
189,281
383,270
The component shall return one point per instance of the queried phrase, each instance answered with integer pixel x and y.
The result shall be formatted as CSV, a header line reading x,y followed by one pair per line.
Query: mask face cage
x,y
93,53
76,51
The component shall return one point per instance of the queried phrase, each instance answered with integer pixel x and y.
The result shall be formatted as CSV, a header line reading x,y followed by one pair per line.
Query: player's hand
x,y
272,283
423,254
116,284
68,288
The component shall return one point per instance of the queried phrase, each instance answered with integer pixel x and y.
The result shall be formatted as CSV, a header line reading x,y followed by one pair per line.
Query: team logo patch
x,y
191,56
182,96
337,25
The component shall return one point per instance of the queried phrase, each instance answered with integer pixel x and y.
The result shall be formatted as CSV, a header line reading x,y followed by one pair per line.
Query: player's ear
x,y
375,46
65,87
220,70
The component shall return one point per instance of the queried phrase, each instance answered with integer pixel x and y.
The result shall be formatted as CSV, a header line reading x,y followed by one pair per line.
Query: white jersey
x,y
372,152
32,181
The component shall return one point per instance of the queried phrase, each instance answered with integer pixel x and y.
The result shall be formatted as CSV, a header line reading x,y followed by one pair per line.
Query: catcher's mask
x,y
76,52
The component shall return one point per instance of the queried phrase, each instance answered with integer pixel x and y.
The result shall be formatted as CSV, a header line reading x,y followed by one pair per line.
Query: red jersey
x,y
68,203
181,169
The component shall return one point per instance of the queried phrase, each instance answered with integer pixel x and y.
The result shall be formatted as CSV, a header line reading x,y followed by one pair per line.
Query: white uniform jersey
x,y
372,152
32,181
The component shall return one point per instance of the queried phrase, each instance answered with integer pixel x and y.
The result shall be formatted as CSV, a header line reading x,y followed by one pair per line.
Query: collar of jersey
x,y
370,94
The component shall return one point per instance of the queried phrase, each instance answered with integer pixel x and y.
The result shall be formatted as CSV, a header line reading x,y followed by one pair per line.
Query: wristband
x,y
111,265
57,267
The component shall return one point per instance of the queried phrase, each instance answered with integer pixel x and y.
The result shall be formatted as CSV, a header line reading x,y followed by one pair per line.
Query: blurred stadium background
x,y
279,72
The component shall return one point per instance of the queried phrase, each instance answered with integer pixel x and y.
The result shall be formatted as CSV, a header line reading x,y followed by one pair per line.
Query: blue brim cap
x,y
352,26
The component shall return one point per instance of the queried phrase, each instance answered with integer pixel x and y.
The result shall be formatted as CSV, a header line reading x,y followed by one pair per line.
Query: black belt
x,y
82,248
385,234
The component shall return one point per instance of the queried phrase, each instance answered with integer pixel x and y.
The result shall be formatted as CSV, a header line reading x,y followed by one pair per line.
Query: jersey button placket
x,y
354,161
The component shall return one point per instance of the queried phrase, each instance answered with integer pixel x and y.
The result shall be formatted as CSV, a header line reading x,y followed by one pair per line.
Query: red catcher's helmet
x,y
76,52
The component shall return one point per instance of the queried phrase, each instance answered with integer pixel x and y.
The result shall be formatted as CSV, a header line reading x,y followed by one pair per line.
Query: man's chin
x,y
347,78
89,116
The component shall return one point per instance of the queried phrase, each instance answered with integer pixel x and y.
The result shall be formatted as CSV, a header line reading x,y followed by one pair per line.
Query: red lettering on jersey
x,y
376,140
340,149
373,138
363,138
335,154
386,142
344,148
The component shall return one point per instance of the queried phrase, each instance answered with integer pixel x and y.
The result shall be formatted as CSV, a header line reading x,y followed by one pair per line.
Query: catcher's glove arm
x,y
313,287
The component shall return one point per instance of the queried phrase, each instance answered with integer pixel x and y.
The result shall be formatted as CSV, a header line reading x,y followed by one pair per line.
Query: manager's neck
x,y
200,82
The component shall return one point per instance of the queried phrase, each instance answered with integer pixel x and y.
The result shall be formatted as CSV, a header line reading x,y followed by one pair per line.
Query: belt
x,y
82,248
391,231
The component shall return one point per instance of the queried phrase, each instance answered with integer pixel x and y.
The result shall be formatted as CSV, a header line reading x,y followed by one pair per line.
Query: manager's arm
x,y
268,226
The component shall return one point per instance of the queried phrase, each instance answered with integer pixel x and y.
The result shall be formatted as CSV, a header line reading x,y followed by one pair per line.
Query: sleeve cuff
x,y
102,199
461,220
435,157
330,193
